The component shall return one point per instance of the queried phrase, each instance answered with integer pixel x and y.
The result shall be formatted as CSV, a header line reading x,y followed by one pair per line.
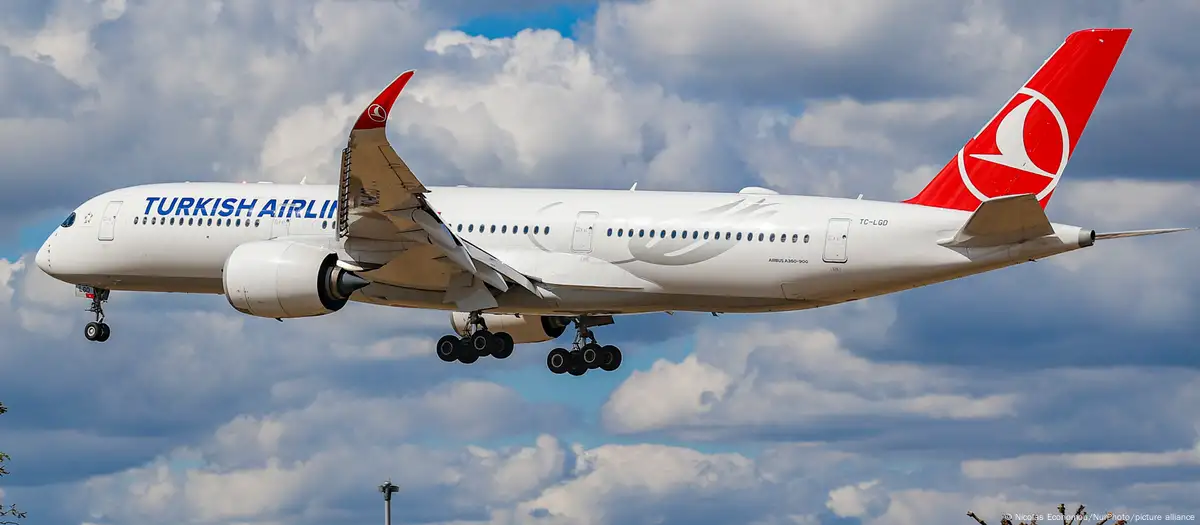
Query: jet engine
x,y
280,279
522,328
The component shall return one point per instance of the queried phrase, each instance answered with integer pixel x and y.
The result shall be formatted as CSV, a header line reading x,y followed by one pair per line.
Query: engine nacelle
x,y
280,279
522,328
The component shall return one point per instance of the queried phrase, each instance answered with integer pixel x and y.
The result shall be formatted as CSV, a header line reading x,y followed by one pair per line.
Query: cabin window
x,y
610,232
493,229
739,236
651,234
706,236
772,237
760,237
546,230
135,220
806,238
504,229
536,228
238,222
727,235
460,228
717,236
471,228
641,233
674,233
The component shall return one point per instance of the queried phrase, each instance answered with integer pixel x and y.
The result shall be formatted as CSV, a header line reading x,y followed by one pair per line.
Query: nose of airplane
x,y
43,257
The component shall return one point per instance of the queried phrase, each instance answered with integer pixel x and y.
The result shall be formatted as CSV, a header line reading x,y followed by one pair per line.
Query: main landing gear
x,y
479,342
97,330
586,354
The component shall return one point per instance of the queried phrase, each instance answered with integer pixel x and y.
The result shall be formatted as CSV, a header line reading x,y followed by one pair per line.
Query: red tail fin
x,y
1025,147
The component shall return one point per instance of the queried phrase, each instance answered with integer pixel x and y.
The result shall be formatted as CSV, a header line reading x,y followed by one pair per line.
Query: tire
x,y
577,368
447,348
466,352
558,360
506,345
91,331
611,358
590,356
105,331
482,343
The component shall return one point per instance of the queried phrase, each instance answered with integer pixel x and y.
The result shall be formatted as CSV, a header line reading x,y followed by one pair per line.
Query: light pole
x,y
388,489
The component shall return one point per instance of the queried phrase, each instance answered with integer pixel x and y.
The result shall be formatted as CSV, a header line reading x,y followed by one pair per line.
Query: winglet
x,y
376,114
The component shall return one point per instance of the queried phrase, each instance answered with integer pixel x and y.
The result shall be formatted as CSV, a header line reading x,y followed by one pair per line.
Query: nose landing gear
x,y
97,330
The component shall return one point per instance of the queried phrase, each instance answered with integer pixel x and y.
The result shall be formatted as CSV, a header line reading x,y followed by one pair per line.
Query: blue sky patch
x,y
561,18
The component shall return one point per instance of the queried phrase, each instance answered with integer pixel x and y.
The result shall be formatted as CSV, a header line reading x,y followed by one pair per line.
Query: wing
x,y
385,220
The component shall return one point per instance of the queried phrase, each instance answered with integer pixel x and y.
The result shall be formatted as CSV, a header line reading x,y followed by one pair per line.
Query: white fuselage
x,y
596,251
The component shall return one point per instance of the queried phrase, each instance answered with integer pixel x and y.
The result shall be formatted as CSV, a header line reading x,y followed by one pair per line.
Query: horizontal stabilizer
x,y
1003,220
1138,233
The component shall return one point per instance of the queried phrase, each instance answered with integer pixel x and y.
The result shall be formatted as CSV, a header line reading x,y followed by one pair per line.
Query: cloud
x,y
761,370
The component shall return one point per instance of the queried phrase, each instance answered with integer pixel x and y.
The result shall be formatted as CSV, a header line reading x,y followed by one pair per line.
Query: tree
x,y
11,510
1075,519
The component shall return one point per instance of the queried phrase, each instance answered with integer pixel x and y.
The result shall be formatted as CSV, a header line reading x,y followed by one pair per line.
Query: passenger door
x,y
108,221
837,240
585,226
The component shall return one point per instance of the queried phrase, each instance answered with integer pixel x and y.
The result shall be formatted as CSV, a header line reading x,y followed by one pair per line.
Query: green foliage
x,y
1067,519
10,511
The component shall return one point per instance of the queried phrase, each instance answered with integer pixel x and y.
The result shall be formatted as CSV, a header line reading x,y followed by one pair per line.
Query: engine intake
x,y
279,279
522,328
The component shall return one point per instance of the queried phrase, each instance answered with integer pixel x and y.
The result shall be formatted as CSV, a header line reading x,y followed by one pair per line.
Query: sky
x,y
1074,379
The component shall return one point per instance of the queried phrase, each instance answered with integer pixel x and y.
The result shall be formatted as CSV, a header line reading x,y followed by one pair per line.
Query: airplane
x,y
517,266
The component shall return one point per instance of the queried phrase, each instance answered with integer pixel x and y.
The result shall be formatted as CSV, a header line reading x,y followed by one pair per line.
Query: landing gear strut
x,y
97,330
478,342
585,354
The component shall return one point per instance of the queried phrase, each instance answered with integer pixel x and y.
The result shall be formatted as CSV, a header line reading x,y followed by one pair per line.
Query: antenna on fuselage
x,y
634,187
303,180
859,197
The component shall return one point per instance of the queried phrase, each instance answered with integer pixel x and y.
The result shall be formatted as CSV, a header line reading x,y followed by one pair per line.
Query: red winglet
x,y
376,114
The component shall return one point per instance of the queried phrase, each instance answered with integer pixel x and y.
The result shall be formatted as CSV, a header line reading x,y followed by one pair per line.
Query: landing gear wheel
x,y
92,331
96,330
447,348
590,355
610,358
466,351
483,343
558,361
505,345
577,366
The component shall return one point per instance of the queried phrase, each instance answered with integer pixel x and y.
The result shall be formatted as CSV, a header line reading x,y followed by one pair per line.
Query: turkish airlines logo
x,y
1025,152
377,113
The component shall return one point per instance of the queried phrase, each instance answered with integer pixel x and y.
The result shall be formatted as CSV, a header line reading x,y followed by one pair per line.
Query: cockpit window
x,y
66,223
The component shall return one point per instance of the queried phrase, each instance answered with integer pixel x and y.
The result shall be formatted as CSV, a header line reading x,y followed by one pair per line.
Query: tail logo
x,y
377,113
1026,150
